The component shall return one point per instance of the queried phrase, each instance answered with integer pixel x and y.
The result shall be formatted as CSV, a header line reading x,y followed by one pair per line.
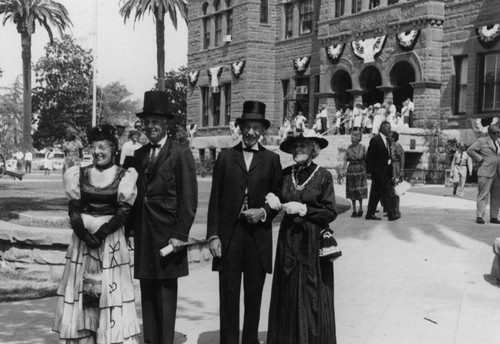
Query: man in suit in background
x,y
239,224
162,214
486,153
379,166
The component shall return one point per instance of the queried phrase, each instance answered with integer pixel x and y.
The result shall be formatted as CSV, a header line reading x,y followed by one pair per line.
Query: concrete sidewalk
x,y
421,280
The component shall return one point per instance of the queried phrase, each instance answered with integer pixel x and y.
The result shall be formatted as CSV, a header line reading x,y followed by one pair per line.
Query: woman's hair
x,y
358,133
395,136
132,133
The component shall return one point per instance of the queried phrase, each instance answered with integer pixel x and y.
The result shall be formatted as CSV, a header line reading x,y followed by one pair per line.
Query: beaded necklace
x,y
303,185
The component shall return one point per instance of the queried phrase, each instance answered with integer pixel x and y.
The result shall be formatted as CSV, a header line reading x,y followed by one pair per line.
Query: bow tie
x,y
154,145
250,150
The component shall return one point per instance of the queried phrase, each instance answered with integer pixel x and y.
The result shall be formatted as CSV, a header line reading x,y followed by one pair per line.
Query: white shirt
x,y
248,156
384,138
19,155
28,156
157,150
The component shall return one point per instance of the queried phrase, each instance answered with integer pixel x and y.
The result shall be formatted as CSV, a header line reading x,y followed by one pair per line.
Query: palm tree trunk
x,y
26,56
160,48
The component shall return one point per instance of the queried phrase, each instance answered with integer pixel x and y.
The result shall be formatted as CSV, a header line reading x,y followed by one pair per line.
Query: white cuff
x,y
303,210
265,215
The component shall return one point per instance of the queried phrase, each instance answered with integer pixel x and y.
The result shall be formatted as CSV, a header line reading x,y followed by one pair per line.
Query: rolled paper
x,y
166,250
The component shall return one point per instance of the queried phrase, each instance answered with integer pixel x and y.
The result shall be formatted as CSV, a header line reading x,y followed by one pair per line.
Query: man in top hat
x,y
239,223
162,215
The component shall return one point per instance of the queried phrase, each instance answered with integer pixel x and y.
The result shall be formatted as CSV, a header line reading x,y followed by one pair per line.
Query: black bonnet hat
x,y
156,103
254,111
103,132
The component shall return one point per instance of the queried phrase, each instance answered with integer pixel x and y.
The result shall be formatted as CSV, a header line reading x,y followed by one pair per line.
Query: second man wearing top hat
x,y
163,214
239,223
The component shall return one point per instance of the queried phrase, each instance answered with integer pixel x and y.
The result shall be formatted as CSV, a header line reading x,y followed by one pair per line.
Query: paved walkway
x,y
421,280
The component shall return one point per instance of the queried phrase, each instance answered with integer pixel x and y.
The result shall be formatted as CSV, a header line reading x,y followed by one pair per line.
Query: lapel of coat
x,y
162,156
238,156
492,145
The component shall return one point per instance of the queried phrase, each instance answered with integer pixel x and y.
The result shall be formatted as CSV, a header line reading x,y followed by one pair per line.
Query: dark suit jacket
x,y
230,179
377,158
165,208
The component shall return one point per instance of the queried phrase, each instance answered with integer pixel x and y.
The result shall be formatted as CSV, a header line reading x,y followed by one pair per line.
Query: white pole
x,y
94,76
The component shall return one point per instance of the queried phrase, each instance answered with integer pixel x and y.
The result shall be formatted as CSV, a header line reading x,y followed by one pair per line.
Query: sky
x,y
125,52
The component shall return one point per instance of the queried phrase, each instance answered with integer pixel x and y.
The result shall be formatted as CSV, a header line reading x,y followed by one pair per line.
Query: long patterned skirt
x,y
356,187
112,317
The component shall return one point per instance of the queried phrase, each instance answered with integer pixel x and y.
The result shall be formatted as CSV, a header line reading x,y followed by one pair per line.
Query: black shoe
x,y
354,214
372,217
480,220
394,217
494,220
360,213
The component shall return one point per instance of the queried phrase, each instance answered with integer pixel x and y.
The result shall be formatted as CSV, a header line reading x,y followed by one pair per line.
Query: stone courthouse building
x,y
295,55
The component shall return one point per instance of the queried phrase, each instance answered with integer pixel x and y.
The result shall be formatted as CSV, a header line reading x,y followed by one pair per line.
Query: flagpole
x,y
94,76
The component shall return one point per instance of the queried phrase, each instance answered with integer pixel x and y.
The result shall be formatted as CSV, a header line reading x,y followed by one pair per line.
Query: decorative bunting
x,y
300,64
368,49
237,68
488,35
214,73
193,77
407,40
334,52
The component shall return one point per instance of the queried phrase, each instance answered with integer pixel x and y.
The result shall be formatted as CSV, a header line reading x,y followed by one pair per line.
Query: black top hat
x,y
156,103
253,111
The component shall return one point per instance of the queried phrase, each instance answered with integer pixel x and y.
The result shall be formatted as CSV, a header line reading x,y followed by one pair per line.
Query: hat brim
x,y
240,120
143,114
287,145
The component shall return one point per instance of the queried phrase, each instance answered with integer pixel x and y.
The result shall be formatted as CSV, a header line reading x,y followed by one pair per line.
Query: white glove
x,y
273,201
294,208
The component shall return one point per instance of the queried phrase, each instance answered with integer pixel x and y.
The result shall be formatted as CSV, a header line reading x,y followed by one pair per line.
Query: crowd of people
x,y
347,118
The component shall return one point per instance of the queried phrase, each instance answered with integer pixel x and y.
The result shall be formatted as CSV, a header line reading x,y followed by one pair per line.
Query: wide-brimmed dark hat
x,y
103,132
253,111
287,145
156,103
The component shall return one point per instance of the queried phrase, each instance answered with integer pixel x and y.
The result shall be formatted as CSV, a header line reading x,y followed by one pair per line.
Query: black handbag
x,y
329,248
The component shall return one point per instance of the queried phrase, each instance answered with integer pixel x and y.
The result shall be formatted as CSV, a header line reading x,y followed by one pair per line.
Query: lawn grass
x,y
20,284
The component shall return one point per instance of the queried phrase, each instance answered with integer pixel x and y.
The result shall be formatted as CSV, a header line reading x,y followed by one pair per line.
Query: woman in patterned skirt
x,y
354,160
96,295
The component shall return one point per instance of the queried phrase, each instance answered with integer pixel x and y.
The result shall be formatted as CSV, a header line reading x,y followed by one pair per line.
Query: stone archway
x,y
402,75
369,80
340,83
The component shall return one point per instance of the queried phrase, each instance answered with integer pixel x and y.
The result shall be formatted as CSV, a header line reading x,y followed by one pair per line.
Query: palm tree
x,y
25,14
159,8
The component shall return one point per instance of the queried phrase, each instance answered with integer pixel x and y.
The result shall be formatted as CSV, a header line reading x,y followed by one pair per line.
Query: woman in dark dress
x,y
302,307
354,160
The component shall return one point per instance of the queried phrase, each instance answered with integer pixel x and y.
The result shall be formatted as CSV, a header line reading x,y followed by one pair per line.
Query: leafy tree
x,y
25,14
176,88
63,95
116,104
159,8
11,117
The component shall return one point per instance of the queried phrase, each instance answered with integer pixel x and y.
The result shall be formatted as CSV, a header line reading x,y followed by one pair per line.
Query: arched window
x,y
217,5
288,20
204,8
339,8
229,22
228,3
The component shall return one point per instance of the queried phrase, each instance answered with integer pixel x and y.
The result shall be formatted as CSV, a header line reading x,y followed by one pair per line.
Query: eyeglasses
x,y
101,146
256,128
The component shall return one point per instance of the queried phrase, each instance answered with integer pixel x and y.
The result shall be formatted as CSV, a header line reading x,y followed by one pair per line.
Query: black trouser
x,y
381,190
242,257
159,307
27,167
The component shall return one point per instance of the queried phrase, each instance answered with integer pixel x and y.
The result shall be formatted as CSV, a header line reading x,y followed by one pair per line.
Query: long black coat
x,y
230,179
165,208
377,158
